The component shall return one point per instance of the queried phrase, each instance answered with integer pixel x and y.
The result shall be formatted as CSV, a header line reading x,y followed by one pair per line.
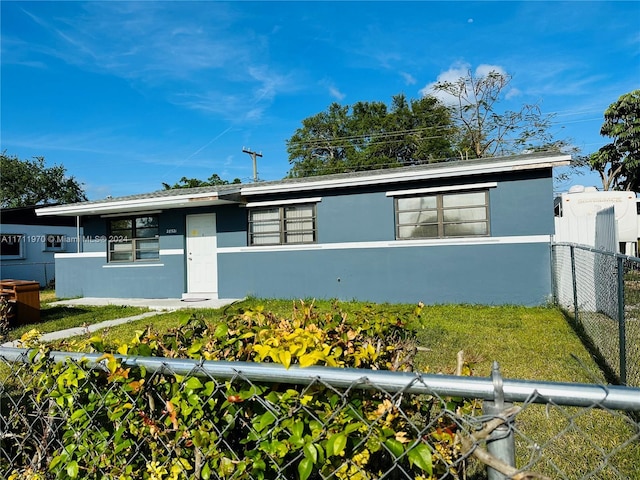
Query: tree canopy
x,y
483,130
185,182
25,183
370,135
618,162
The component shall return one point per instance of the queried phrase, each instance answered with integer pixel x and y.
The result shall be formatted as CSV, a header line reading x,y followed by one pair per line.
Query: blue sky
x,y
128,95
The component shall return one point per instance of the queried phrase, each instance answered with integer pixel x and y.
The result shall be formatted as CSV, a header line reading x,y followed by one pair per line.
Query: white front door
x,y
202,263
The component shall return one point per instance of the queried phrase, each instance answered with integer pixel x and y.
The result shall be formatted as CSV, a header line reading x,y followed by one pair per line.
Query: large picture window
x,y
443,215
287,224
134,239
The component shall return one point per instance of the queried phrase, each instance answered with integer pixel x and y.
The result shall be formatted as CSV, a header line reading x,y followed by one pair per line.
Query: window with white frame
x,y
134,239
442,215
280,225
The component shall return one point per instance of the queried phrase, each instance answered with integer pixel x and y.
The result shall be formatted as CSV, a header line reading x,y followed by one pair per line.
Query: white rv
x,y
605,220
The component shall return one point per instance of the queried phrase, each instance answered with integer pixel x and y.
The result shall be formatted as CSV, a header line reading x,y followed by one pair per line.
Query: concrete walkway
x,y
157,305
161,304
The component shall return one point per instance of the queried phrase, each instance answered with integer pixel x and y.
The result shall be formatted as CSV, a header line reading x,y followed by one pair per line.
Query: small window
x,y
54,242
443,215
134,239
290,224
11,245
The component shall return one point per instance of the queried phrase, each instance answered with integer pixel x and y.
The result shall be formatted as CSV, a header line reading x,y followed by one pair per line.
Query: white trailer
x,y
580,219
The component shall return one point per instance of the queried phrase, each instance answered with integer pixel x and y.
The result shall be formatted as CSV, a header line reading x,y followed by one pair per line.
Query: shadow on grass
x,y
60,312
609,373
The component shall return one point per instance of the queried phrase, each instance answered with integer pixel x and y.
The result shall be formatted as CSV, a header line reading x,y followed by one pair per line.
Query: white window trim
x,y
448,188
282,222
277,203
133,265
134,241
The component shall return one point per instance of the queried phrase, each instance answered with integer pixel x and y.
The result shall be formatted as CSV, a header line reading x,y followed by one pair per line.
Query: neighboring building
x,y
475,231
28,244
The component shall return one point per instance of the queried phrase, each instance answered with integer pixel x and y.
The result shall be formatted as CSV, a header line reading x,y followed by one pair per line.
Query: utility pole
x,y
255,165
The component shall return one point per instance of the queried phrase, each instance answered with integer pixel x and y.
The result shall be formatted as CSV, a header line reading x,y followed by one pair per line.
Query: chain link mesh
x,y
551,440
586,285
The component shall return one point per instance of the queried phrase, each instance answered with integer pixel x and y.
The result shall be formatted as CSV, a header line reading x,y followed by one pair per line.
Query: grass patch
x,y
57,317
528,343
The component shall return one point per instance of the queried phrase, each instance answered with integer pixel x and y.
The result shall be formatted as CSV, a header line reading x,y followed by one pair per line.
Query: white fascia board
x,y
495,166
132,205
292,201
447,188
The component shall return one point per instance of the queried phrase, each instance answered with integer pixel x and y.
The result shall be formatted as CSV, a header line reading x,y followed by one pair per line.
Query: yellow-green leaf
x,y
72,469
221,331
193,383
304,468
336,444
285,358
205,473
420,456
263,421
309,359
394,446
311,452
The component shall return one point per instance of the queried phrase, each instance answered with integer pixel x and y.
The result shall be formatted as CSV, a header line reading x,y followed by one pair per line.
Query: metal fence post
x,y
501,443
574,282
621,322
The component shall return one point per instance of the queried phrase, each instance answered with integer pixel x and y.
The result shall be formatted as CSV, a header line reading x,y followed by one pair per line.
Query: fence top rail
x,y
567,394
595,250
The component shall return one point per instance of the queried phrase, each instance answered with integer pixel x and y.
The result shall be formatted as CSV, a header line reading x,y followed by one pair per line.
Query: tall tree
x,y
370,135
29,182
185,182
483,129
322,145
618,162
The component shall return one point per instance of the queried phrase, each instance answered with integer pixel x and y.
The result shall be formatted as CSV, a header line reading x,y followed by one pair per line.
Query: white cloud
x,y
459,70
335,93
255,113
484,69
513,93
454,73
332,89
408,78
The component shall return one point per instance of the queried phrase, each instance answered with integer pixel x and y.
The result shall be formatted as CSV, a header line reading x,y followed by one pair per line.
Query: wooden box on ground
x,y
26,295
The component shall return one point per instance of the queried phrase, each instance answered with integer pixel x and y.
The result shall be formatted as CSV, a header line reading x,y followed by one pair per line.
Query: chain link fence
x,y
601,292
94,424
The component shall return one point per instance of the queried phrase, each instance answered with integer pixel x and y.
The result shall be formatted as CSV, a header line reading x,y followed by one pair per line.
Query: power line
x,y
319,142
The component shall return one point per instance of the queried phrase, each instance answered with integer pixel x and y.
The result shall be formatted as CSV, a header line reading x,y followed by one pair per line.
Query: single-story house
x,y
28,243
474,231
